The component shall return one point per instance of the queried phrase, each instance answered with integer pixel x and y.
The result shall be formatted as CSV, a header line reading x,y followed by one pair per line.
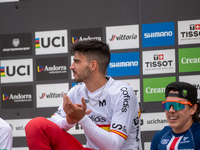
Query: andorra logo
x,y
5,96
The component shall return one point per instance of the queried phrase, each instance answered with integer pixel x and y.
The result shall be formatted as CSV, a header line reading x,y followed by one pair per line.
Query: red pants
x,y
42,134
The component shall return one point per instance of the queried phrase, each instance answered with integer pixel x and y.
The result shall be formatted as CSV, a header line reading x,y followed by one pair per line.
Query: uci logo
x,y
55,42
20,70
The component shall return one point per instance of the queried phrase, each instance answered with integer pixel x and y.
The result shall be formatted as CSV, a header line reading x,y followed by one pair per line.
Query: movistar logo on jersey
x,y
189,59
158,34
154,88
124,64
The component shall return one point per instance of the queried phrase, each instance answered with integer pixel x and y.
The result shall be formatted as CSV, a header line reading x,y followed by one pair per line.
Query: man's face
x,y
180,120
80,68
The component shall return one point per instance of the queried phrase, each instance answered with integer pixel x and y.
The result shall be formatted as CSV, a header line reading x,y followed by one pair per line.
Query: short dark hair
x,y
94,50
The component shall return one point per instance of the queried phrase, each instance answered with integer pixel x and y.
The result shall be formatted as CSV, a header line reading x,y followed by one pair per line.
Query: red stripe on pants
x,y
42,134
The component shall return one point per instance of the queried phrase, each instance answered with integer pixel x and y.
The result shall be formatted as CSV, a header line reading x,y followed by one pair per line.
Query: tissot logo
x,y
16,70
86,34
121,37
17,97
51,68
158,56
188,32
195,27
51,42
155,62
158,34
16,44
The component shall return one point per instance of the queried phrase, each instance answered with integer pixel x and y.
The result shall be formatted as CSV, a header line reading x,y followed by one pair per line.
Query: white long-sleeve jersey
x,y
113,123
6,135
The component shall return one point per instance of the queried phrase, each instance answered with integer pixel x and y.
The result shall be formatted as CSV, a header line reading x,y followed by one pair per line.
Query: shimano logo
x,y
123,64
158,34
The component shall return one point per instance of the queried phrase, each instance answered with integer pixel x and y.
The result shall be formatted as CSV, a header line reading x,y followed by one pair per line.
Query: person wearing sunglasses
x,y
182,112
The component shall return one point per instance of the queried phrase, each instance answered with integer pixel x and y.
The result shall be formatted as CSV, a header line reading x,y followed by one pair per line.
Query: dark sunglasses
x,y
177,105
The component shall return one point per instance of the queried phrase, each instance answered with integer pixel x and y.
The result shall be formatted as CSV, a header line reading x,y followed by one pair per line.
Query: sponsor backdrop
x,y
152,43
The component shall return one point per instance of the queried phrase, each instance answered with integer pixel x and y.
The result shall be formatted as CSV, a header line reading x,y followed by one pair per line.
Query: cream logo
x,y
15,42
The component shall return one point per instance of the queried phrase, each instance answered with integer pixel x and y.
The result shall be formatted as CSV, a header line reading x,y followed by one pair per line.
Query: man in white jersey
x,y
107,110
6,136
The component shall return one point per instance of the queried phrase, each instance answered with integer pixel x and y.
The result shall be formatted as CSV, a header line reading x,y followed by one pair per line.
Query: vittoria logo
x,y
122,37
51,95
